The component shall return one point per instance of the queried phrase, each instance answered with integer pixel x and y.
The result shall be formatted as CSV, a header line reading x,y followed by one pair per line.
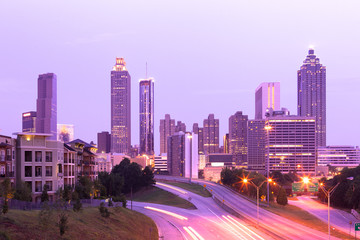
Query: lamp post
x,y
268,128
327,193
268,180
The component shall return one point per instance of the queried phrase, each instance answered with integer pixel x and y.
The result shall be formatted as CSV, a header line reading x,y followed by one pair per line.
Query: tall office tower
x,y
226,140
147,116
256,144
46,105
29,121
211,135
290,144
103,142
200,132
238,138
120,108
180,126
167,128
182,156
312,94
267,95
176,154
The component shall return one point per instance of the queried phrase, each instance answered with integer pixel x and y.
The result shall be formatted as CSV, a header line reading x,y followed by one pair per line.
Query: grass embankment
x,y
87,224
305,218
159,196
191,187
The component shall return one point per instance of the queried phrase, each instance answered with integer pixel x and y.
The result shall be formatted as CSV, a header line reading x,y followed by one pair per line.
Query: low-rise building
x,y
7,158
339,156
70,162
39,162
86,154
161,164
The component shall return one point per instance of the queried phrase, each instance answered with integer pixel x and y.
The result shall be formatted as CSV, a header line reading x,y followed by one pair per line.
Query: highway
x,y
338,219
208,221
273,225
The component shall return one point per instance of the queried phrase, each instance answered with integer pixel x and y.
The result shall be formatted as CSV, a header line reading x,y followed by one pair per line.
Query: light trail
x,y
246,227
237,226
167,212
174,188
229,227
196,233
192,235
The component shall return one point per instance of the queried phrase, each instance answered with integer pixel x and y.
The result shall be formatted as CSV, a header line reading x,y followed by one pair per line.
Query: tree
x,y
228,176
282,198
6,192
77,205
67,193
63,222
45,215
22,192
44,194
148,177
84,188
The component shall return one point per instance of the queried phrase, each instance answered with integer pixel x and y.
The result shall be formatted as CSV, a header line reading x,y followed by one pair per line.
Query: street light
x,y
328,193
245,180
268,128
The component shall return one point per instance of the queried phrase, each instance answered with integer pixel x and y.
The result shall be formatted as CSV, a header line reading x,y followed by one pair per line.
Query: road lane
x,y
278,225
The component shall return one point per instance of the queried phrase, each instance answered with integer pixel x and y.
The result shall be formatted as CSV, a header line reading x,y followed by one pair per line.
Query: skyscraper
x,y
180,126
29,121
312,94
46,105
120,108
183,157
238,138
290,144
211,135
256,144
147,116
103,142
167,128
267,95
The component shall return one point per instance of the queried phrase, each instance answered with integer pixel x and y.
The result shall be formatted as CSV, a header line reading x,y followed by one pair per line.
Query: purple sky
x,y
206,57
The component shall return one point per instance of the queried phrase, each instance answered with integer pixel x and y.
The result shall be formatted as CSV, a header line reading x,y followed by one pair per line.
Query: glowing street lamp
x,y
268,180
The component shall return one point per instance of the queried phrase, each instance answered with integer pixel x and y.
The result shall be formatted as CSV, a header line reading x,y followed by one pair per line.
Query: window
x,y
49,184
48,156
28,171
38,171
38,186
28,156
60,168
38,156
48,171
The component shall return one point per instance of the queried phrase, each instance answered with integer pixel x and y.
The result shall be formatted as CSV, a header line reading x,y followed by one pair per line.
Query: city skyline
x,y
235,93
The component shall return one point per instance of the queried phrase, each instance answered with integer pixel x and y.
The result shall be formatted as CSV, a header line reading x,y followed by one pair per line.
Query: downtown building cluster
x,y
274,140
46,153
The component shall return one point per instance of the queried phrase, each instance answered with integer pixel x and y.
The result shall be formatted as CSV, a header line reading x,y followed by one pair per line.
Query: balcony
x,y
8,158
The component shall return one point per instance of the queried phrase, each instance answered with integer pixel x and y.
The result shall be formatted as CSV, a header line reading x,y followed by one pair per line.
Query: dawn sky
x,y
206,57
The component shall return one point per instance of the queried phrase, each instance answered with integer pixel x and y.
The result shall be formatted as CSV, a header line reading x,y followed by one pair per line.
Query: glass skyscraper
x,y
120,108
312,94
147,116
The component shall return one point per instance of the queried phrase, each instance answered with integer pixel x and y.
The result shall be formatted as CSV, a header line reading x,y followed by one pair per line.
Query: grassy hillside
x,y
88,224
192,187
159,196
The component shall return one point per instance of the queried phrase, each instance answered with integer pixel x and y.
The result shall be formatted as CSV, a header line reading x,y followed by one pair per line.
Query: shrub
x,y
77,205
104,212
282,198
